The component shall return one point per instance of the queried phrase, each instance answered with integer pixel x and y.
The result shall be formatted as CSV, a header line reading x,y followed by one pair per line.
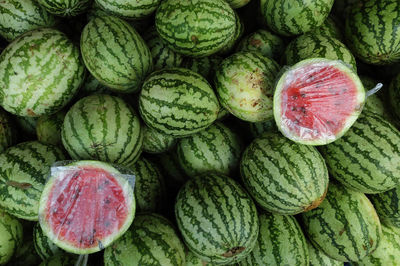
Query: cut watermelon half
x,y
85,206
317,100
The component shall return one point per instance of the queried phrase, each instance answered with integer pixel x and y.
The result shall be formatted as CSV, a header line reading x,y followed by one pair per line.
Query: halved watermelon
x,y
85,206
317,100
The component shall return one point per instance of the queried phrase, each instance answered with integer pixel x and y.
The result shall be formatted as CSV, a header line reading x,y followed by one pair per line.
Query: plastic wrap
x,y
86,205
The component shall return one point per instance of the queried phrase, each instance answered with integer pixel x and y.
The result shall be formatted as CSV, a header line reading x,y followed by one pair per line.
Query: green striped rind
x,y
345,226
170,166
314,45
65,8
373,31
280,242
91,86
43,245
245,85
26,124
205,66
40,72
292,17
330,28
216,149
283,176
150,191
239,30
319,258
212,24
388,251
26,254
237,3
20,16
156,142
59,260
268,44
394,95
48,128
104,128
367,157
7,130
217,218
193,260
23,172
151,240
177,102
115,54
162,55
387,205
10,236
257,129
129,9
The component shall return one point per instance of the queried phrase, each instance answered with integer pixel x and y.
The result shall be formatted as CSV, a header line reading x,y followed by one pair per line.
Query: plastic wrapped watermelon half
x,y
317,100
86,205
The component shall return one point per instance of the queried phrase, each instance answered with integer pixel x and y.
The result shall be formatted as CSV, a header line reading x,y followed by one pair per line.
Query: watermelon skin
x,y
44,247
215,149
20,16
65,8
245,83
312,45
115,54
23,172
280,242
156,142
237,3
330,28
372,31
91,86
205,66
288,17
177,102
257,129
48,128
179,25
7,131
319,258
387,205
171,167
24,90
239,30
59,260
104,128
193,260
152,240
282,176
211,232
11,236
129,9
367,158
345,226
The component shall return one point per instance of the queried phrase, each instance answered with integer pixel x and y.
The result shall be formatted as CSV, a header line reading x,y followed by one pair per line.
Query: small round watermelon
x,y
85,206
317,101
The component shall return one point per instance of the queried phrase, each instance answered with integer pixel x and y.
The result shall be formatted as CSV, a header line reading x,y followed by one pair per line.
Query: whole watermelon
x,y
10,236
65,8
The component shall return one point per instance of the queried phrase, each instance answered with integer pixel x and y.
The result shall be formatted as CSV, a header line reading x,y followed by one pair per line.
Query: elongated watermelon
x,y
23,172
283,176
319,258
102,127
155,141
387,205
85,206
367,158
152,240
345,226
178,102
129,9
44,247
48,128
65,8
280,242
40,72
317,101
10,236
7,130
217,219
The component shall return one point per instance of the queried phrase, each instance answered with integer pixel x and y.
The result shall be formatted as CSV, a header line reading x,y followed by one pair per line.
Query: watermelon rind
x,y
129,9
387,205
65,8
44,247
11,237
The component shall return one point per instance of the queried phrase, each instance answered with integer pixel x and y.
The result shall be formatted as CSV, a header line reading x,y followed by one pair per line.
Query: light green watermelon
x,y
319,258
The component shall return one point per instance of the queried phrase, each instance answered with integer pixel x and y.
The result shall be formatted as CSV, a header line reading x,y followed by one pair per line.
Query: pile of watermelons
x,y
200,132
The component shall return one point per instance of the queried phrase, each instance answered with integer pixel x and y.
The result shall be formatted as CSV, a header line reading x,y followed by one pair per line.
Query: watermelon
x,y
152,240
129,9
387,205
319,258
156,142
102,127
7,130
317,101
280,242
44,247
367,158
245,84
195,29
373,31
330,28
91,86
20,16
216,148
65,8
394,95
345,226
23,172
40,72
10,236
162,55
177,102
193,260
205,66
85,206
115,54
283,176
59,260
237,3
263,41
48,128
257,129
217,218
312,45
239,30
150,188
292,17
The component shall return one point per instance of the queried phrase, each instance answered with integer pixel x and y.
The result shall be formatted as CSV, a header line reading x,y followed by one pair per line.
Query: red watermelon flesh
x,y
318,101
